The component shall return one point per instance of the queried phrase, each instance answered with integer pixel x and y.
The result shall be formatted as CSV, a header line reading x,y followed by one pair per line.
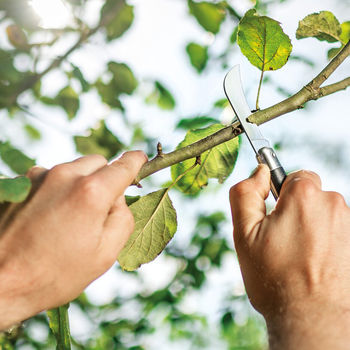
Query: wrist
x,y
21,292
318,325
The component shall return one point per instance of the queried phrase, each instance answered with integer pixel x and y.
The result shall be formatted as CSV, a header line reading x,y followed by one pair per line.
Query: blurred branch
x,y
85,34
312,91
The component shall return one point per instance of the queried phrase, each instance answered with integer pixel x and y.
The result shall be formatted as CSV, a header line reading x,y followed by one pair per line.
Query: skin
x,y
66,235
295,261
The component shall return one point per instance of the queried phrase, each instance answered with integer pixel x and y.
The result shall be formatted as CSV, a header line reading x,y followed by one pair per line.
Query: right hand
x,y
295,261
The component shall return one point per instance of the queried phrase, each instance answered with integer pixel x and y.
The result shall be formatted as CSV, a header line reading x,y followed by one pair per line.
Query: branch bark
x,y
331,88
311,91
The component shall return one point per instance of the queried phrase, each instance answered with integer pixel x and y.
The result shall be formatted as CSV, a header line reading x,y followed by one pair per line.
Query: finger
x,y
118,175
37,175
301,175
117,229
87,165
36,172
247,200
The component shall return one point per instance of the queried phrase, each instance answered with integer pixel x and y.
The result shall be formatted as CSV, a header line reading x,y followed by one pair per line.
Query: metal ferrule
x,y
267,155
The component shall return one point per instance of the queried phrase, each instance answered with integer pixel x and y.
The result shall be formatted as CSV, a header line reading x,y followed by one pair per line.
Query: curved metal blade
x,y
235,95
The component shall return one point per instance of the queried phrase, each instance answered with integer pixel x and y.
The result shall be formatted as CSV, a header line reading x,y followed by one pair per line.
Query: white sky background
x,y
154,47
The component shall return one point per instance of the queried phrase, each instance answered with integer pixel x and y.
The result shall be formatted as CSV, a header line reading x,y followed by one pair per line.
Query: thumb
x,y
247,200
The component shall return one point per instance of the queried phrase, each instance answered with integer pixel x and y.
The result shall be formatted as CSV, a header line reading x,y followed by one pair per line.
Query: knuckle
x,y
303,187
90,190
309,173
33,171
98,158
60,172
239,189
336,200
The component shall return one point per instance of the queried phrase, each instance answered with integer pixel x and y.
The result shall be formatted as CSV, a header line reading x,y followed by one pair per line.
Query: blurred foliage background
x,y
105,76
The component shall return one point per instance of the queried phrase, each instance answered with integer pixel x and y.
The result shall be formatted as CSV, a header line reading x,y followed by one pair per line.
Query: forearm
x,y
313,328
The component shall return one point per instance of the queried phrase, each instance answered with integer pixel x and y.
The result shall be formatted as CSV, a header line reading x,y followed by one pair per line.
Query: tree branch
x,y
331,67
311,91
331,88
191,151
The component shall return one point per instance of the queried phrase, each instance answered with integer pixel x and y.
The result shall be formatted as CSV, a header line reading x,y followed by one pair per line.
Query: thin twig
x,y
331,88
331,67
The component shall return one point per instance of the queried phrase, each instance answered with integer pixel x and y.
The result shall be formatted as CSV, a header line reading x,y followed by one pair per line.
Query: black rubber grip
x,y
278,176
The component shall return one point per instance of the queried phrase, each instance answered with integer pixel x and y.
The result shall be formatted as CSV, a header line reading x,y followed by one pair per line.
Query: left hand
x,y
68,234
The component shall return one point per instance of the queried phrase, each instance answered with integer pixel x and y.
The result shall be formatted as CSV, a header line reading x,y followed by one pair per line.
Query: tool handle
x,y
267,155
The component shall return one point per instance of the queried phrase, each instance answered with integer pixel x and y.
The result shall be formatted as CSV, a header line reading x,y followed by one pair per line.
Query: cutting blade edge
x,y
235,94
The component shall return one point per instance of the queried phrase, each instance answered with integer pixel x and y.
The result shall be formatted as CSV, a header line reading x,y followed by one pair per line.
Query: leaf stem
x,y
59,324
259,87
197,162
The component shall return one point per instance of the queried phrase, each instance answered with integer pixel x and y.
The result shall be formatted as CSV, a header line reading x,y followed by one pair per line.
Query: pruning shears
x,y
264,152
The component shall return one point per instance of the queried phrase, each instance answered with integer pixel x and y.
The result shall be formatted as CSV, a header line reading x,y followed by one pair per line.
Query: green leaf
x,y
124,80
161,96
131,199
14,190
85,86
68,99
222,103
122,16
344,38
195,123
209,15
198,55
100,141
333,52
8,73
217,162
262,40
108,94
59,325
15,159
233,37
322,25
155,225
345,32
32,132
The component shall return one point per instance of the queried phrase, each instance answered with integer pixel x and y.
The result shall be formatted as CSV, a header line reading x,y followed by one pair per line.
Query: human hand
x,y
68,234
295,261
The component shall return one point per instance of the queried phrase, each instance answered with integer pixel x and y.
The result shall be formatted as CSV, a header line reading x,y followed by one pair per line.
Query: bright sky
x,y
53,13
